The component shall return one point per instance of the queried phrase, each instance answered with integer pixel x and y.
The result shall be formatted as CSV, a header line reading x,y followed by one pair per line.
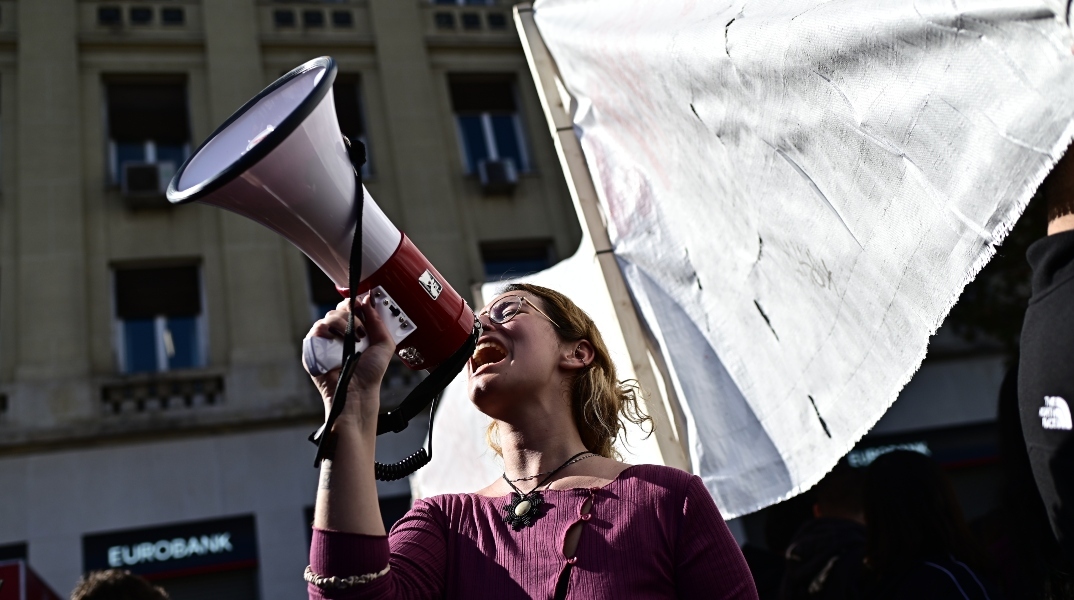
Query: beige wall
x,y
62,226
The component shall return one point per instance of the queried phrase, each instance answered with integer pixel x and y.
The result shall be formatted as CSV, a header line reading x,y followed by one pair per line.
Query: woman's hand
x,y
347,492
363,390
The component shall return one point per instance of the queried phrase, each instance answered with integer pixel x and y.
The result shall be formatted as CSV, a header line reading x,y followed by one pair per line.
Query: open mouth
x,y
486,353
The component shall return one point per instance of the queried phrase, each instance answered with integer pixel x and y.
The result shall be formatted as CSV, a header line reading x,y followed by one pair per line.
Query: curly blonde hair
x,y
600,402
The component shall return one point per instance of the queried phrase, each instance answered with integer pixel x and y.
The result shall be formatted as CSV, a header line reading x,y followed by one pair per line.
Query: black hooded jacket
x,y
824,561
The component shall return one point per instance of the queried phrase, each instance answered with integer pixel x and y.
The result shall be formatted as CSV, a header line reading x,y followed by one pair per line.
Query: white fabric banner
x,y
799,190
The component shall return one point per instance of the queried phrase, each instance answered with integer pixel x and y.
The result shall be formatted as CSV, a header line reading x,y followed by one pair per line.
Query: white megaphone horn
x,y
282,161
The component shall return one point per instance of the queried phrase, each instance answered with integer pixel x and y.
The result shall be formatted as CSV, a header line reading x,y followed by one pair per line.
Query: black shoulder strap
x,y
426,392
356,153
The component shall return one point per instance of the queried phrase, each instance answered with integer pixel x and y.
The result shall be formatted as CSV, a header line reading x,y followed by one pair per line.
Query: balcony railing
x,y
469,21
140,20
332,20
162,392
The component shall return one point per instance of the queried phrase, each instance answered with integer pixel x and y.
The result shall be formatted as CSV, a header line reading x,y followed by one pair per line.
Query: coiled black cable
x,y
410,464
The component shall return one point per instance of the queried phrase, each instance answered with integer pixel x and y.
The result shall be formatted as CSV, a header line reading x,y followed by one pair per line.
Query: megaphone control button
x,y
411,356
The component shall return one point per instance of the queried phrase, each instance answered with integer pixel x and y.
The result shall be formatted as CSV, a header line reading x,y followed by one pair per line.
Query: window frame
x,y
487,129
201,324
517,251
114,174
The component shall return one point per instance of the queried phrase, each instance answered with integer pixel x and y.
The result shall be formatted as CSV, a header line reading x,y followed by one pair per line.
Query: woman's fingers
x,y
324,328
334,323
374,360
374,325
364,386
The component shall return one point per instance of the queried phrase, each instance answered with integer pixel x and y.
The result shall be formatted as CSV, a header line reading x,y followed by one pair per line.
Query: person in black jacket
x,y
1046,366
824,559
917,544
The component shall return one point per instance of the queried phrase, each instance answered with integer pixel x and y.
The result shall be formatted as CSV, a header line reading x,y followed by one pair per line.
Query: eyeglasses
x,y
507,307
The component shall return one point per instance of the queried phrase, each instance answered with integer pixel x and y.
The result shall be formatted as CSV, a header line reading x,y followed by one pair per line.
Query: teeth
x,y
487,352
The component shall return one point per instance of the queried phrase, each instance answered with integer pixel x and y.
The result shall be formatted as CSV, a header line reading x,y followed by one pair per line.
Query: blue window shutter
x,y
473,138
507,142
139,346
184,332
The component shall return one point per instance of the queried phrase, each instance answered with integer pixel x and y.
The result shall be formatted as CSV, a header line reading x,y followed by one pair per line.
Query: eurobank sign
x,y
175,549
165,550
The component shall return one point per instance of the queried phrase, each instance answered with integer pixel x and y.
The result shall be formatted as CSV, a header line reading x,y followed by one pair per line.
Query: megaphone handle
x,y
428,388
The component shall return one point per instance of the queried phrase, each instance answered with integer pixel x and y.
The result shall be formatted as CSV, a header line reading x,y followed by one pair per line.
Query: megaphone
x,y
282,161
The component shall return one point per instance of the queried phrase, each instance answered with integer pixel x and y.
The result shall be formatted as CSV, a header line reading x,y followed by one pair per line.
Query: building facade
x,y
153,411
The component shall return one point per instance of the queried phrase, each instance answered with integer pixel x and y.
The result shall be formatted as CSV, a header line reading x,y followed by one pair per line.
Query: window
x,y
347,95
444,20
313,18
172,16
283,18
515,258
342,18
109,15
147,123
141,15
487,119
323,294
160,324
471,20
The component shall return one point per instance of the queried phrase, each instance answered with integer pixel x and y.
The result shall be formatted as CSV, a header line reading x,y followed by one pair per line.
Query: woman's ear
x,y
578,355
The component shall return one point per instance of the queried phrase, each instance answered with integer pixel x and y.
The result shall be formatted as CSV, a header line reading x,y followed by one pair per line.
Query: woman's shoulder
x,y
658,475
452,508
448,502
667,484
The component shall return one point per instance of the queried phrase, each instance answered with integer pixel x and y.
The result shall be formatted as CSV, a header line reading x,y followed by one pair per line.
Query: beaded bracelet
x,y
340,583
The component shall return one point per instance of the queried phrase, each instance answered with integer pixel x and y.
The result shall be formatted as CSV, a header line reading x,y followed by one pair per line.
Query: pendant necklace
x,y
524,509
543,473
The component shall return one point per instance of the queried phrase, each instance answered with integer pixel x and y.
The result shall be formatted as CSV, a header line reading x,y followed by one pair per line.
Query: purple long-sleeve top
x,y
653,532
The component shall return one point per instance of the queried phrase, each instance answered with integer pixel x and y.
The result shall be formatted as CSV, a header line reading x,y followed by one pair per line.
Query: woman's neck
x,y
538,448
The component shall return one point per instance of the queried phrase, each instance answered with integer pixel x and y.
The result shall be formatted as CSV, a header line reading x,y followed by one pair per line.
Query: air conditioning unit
x,y
498,177
144,183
